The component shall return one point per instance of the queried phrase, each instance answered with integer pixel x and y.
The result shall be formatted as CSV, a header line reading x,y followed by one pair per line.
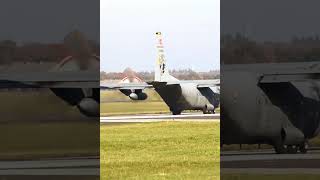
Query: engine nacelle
x,y
292,136
89,107
138,96
209,107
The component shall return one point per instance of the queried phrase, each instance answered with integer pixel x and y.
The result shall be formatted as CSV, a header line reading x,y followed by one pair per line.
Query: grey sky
x,y
48,20
271,19
191,32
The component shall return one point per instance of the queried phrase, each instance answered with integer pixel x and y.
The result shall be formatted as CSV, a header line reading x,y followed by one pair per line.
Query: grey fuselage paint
x,y
186,96
257,113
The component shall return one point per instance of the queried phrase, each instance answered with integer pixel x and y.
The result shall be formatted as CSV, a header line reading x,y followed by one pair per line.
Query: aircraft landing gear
x,y
175,112
208,112
303,148
280,148
292,149
208,109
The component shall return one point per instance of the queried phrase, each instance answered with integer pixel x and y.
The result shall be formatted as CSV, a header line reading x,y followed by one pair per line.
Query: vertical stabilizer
x,y
161,70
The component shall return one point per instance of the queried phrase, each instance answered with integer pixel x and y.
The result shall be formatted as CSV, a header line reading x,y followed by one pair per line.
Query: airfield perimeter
x,y
160,150
254,162
142,140
235,163
265,164
52,139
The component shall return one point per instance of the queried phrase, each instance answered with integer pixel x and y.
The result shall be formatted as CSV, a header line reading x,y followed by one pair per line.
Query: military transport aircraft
x,y
75,79
277,104
178,95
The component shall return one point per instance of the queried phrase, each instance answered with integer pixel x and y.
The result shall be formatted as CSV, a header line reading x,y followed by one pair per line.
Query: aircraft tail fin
x,y
161,70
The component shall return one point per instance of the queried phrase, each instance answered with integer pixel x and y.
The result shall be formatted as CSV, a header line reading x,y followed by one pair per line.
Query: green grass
x,y
116,95
36,105
315,141
37,124
269,177
110,104
165,150
116,103
117,108
43,140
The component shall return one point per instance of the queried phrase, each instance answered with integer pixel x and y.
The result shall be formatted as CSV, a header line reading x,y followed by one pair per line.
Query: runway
x,y
158,118
57,166
267,162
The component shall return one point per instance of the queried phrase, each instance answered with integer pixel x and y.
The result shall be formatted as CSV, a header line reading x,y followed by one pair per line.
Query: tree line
x,y
184,74
35,52
239,49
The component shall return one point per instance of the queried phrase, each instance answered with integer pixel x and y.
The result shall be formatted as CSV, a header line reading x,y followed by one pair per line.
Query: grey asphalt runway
x,y
160,117
267,162
57,166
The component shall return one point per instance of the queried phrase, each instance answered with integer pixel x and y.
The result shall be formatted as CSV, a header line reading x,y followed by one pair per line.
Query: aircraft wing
x,y
200,83
273,68
208,83
125,86
61,79
279,72
294,76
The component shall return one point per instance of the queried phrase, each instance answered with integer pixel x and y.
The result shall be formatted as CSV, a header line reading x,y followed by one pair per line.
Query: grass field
x,y
118,108
165,150
43,140
115,95
35,105
37,124
115,103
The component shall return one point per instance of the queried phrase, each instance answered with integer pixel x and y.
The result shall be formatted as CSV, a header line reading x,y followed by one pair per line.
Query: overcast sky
x,y
271,20
48,20
191,33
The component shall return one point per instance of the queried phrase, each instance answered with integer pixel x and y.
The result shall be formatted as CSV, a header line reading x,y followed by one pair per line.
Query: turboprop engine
x,y
138,96
209,108
89,107
81,58
135,94
86,100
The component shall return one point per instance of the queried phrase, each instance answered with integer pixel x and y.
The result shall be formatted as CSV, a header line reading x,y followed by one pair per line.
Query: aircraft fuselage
x,y
186,96
252,113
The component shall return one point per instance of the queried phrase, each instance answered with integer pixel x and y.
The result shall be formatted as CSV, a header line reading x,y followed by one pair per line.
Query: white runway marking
x,y
158,118
64,166
55,171
272,171
266,155
267,162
